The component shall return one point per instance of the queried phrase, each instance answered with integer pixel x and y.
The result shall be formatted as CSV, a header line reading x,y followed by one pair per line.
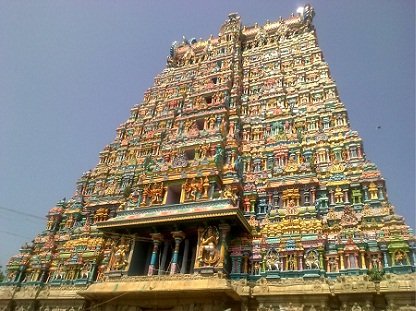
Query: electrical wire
x,y
15,234
106,301
22,213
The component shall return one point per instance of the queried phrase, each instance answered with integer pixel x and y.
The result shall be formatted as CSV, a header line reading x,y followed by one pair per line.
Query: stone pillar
x,y
182,197
413,250
356,261
224,229
341,260
252,205
236,264
331,197
363,265
380,192
233,156
300,262
228,157
306,195
92,272
276,199
359,152
313,195
393,259
211,188
321,259
178,236
198,256
270,199
245,263
346,199
263,260
185,257
262,206
164,257
385,259
249,165
284,263
157,238
43,276
365,189
139,197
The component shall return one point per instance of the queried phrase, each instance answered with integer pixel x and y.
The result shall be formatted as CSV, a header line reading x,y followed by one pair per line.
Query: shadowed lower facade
x,y
237,184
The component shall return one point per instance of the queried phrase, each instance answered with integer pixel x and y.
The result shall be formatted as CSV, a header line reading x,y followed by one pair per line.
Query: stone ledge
x,y
185,285
342,285
64,292
6,292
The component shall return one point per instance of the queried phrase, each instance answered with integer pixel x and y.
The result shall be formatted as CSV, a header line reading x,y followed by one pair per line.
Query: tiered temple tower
x,y
236,183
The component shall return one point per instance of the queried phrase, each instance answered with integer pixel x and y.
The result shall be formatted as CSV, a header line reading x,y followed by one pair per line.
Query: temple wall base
x,y
215,293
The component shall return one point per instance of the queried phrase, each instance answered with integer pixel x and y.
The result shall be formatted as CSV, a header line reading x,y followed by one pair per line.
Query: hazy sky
x,y
71,70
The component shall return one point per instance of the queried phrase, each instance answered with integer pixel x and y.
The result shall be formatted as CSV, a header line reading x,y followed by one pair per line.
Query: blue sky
x,y
71,70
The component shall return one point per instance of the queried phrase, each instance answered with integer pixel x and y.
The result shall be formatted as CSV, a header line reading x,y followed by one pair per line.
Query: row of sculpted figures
x,y
329,259
84,260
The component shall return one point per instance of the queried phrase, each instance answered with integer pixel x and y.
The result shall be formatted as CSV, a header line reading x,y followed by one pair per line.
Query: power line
x,y
16,235
22,213
11,219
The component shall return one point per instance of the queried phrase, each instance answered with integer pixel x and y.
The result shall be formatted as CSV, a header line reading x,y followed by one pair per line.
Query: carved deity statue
x,y
246,204
356,307
204,151
120,256
291,207
333,265
186,189
291,262
229,193
208,247
256,268
312,260
400,258
372,189
157,193
272,261
338,195
85,271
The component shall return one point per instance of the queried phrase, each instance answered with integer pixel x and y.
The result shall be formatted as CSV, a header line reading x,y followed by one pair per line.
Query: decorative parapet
x,y
175,212
320,286
29,297
6,293
299,286
398,283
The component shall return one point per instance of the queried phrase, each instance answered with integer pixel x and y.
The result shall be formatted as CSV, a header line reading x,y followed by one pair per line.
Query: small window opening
x,y
174,194
190,154
200,124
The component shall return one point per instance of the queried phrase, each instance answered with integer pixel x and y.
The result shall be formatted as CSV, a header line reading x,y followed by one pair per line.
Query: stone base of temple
x,y
215,293
32,298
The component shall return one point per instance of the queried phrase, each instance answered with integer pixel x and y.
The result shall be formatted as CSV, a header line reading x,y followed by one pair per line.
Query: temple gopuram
x,y
236,184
